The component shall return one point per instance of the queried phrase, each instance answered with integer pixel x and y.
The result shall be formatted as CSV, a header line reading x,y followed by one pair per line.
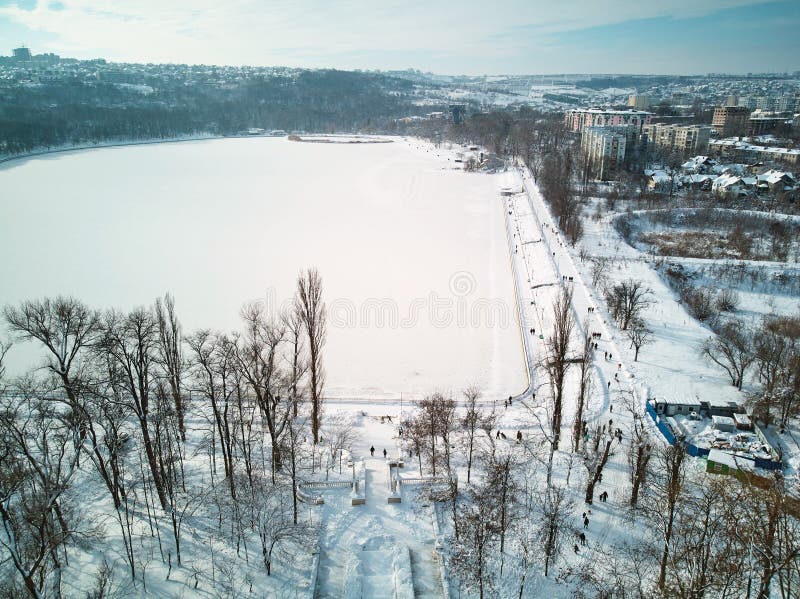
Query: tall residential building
x,y
680,138
784,103
458,111
22,53
747,101
787,103
763,123
739,151
638,102
730,121
605,149
578,118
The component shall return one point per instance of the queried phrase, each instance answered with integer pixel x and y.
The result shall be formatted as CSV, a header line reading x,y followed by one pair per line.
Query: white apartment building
x,y
639,102
680,138
578,118
605,150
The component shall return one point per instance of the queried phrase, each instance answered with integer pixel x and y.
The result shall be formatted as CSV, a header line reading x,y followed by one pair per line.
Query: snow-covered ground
x,y
671,366
412,251
380,221
378,549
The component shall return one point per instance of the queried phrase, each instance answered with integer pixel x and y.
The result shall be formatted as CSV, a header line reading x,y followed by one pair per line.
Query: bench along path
x,y
378,549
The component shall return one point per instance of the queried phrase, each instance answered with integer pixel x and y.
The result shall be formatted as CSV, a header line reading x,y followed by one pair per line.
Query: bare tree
x,y
595,458
600,265
297,365
666,494
640,449
640,335
65,327
553,510
436,419
129,344
727,300
500,479
38,462
471,422
731,349
295,430
213,364
776,347
446,417
68,331
704,558
311,310
4,347
584,388
171,355
274,524
472,551
557,360
627,300
339,437
416,434
257,359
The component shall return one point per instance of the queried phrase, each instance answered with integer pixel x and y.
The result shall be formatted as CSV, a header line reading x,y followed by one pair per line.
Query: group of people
x,y
501,435
372,451
582,536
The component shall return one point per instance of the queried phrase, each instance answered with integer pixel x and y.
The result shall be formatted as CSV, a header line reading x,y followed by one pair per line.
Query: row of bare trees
x,y
127,399
704,536
691,534
694,535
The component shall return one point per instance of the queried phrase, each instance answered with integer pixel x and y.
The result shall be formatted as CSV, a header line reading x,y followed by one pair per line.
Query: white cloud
x,y
347,33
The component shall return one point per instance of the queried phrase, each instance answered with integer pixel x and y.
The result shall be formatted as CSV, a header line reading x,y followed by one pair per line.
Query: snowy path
x,y
545,264
378,549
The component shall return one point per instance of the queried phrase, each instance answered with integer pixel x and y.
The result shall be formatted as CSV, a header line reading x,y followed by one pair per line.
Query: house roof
x,y
727,180
696,178
696,162
772,176
732,461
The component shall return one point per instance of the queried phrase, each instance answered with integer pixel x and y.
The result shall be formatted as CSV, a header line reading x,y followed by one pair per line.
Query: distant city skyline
x,y
511,37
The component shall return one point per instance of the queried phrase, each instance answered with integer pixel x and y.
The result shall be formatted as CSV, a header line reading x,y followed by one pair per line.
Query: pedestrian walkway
x,y
378,549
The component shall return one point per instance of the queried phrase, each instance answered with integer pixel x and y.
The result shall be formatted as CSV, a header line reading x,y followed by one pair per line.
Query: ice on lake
x,y
412,251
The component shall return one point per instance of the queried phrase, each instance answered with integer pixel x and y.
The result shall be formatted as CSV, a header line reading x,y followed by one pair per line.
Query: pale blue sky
x,y
462,37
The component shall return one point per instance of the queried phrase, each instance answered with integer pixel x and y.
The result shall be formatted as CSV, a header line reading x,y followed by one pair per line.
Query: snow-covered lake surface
x,y
412,251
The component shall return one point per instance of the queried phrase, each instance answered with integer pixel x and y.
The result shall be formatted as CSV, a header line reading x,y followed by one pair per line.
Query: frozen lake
x,y
412,252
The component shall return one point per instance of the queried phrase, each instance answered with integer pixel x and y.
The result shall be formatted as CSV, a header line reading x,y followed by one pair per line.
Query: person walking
x,y
583,539
372,451
384,453
585,523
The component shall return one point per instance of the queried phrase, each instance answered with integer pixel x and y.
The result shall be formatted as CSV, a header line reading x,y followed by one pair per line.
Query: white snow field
x,y
412,250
